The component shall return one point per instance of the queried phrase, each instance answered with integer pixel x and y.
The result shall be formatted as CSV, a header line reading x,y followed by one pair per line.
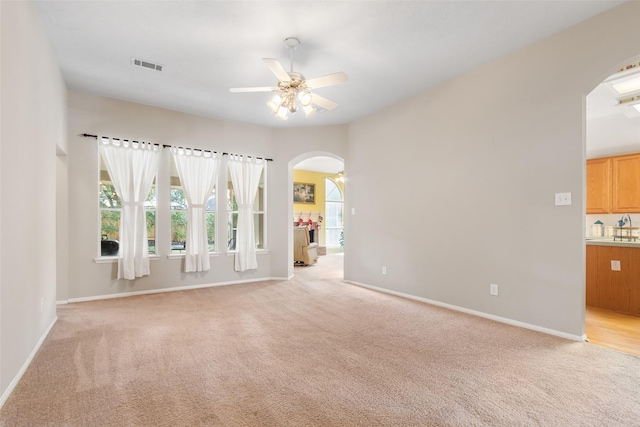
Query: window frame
x,y
99,258
326,219
231,212
214,192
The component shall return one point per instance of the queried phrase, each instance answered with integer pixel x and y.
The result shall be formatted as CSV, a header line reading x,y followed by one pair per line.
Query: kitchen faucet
x,y
626,218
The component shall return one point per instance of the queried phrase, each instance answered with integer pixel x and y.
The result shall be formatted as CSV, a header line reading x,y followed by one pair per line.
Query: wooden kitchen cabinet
x,y
625,176
613,290
599,186
613,184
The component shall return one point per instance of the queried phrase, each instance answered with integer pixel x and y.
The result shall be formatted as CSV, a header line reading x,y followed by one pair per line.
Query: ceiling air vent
x,y
146,64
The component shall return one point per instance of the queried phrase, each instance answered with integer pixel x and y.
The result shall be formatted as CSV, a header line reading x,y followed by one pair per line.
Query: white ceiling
x,y
389,49
610,128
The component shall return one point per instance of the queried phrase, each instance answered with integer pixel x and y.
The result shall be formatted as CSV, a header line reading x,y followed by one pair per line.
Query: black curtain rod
x,y
86,135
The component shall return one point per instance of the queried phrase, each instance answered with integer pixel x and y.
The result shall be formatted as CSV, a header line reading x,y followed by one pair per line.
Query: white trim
x,y
258,252
114,259
181,256
26,364
179,288
476,313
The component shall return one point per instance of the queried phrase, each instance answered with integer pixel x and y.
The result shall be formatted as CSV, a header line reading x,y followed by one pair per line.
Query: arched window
x,y
333,212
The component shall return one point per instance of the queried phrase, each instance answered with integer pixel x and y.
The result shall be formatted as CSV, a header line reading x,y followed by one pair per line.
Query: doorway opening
x,y
612,138
317,204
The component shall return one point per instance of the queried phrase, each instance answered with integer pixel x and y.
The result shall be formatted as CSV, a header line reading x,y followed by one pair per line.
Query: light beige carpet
x,y
312,351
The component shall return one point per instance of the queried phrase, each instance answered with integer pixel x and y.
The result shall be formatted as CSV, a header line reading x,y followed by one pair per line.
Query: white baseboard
x,y
476,313
159,291
26,364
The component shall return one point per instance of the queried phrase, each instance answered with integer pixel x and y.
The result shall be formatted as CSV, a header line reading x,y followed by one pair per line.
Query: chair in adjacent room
x,y
304,252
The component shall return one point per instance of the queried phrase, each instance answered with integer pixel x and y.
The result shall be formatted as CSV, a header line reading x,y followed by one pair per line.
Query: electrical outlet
x,y
615,265
493,289
384,270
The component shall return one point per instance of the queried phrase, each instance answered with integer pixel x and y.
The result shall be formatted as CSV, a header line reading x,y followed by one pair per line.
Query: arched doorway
x,y
612,130
321,173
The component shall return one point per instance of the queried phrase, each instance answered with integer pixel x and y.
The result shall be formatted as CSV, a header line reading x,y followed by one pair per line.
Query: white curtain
x,y
197,170
245,175
132,167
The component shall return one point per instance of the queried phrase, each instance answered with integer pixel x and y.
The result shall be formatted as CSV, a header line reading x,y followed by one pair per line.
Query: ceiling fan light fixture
x,y
305,98
274,104
293,90
308,110
282,113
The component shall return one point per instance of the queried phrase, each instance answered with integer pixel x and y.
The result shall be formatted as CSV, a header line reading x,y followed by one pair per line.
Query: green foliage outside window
x,y
111,211
178,226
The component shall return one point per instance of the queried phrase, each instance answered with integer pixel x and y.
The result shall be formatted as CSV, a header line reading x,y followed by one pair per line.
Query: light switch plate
x,y
615,265
563,199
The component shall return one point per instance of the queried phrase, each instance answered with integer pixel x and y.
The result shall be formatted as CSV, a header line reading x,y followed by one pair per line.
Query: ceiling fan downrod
x,y
292,44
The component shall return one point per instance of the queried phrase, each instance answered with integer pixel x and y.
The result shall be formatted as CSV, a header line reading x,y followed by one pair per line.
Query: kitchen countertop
x,y
608,241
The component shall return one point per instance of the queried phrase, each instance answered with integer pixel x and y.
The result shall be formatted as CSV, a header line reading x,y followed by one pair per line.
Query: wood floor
x,y
613,330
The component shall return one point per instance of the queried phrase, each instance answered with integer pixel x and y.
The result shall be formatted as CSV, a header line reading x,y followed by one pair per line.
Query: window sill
x,y
258,252
180,256
112,259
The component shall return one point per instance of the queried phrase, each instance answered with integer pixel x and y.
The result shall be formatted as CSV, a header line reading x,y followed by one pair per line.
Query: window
x,y
111,210
179,210
258,213
333,212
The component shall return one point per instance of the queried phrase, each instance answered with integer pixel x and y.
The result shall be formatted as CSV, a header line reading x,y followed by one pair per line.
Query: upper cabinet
x,y
599,186
613,184
626,184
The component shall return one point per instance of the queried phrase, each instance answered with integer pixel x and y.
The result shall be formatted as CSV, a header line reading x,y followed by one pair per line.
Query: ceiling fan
x,y
293,89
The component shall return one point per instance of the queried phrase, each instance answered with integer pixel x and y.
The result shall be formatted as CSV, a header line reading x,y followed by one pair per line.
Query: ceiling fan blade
x,y
323,102
277,69
328,80
252,89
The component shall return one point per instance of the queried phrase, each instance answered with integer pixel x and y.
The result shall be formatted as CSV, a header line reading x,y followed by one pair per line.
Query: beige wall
x,y
33,117
473,166
104,116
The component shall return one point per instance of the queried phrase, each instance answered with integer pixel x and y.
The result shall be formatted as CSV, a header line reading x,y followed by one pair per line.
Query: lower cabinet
x,y
614,290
